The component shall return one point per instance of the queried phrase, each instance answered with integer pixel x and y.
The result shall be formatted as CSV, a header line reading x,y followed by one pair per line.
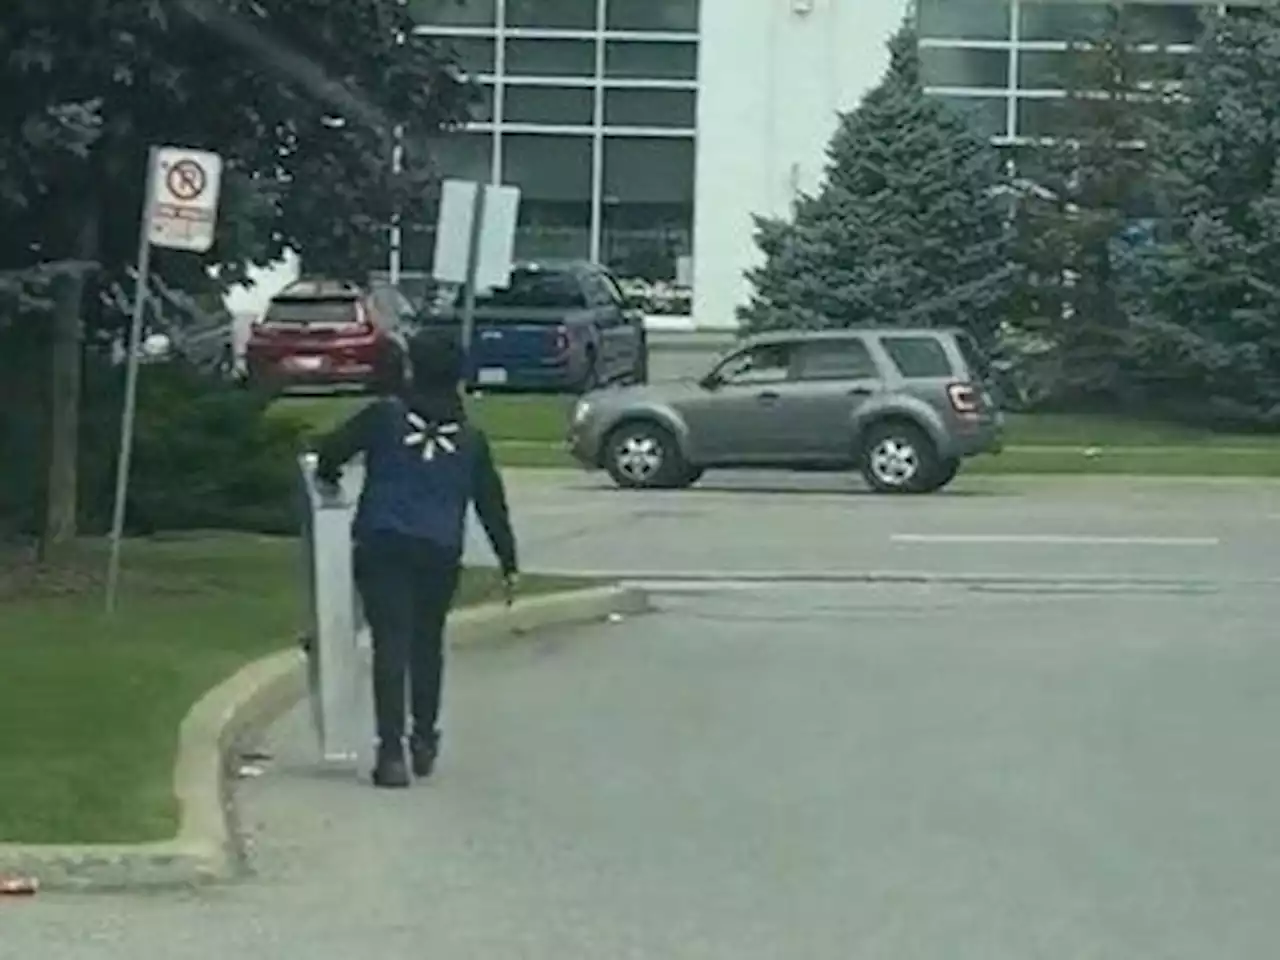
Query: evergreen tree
x,y
1213,329
907,229
1085,187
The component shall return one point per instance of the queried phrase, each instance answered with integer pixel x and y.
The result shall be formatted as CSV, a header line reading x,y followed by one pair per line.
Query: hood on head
x,y
436,405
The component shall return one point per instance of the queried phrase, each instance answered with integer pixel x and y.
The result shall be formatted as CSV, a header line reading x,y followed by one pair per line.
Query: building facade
x,y
1002,61
647,133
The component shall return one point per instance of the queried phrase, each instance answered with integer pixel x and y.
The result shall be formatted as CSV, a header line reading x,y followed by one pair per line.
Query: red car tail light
x,y
965,398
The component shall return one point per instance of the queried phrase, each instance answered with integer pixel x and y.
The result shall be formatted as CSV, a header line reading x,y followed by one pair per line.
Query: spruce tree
x,y
907,229
1086,186
1212,330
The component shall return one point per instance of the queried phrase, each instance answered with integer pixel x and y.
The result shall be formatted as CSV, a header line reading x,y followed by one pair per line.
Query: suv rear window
x,y
305,312
836,360
921,357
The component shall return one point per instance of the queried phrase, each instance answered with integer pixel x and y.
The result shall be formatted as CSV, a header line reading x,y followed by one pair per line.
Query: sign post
x,y
475,245
180,212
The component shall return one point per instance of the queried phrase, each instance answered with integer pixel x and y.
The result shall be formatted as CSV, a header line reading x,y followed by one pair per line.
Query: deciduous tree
x,y
300,97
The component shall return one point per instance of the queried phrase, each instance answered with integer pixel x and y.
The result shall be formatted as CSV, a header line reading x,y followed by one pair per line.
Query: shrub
x,y
206,456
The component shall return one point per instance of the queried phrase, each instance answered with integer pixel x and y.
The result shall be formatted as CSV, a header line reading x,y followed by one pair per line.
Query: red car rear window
x,y
312,312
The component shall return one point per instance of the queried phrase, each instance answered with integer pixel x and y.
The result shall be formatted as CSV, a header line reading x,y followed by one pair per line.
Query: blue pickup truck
x,y
558,326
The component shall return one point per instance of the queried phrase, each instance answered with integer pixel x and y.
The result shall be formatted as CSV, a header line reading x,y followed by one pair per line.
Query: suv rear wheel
x,y
644,455
943,474
898,457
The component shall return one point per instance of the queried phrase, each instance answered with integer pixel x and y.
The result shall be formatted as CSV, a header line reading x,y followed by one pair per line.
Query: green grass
x,y
528,431
90,706
1067,430
527,419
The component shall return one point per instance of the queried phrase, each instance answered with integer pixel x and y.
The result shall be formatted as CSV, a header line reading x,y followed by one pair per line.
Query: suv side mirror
x,y
711,381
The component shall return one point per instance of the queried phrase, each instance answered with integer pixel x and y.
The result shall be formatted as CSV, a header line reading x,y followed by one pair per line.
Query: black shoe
x,y
424,752
390,770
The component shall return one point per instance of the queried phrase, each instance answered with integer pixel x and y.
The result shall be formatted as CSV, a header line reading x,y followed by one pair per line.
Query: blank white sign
x,y
497,233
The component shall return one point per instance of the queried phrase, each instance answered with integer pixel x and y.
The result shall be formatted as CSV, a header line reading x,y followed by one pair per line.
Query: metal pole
x,y
469,291
396,235
131,386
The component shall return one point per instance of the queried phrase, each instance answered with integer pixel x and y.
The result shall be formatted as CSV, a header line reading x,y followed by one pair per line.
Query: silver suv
x,y
903,406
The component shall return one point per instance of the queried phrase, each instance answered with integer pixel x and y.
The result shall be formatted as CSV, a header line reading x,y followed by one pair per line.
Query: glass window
x,y
837,360
565,106
457,154
1044,69
1162,68
554,58
466,156
767,363
673,16
961,67
918,356
648,206
482,105
1163,23
455,13
472,54
645,60
964,19
552,14
299,310
1063,20
1047,117
531,287
1066,70
651,108
553,172
987,115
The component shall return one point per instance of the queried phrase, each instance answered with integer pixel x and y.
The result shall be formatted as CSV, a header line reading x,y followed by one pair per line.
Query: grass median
x,y
528,431
90,706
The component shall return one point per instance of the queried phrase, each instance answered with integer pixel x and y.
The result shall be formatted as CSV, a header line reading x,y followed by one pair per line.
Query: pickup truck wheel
x,y
898,457
643,455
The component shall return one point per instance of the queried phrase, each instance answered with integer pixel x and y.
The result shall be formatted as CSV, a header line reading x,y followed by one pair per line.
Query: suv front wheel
x,y
899,457
644,455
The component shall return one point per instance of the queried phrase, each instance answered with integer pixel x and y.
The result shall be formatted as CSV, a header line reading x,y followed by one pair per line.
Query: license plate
x,y
305,363
492,376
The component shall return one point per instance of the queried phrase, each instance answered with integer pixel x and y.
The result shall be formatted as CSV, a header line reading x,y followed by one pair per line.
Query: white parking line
x,y
1042,539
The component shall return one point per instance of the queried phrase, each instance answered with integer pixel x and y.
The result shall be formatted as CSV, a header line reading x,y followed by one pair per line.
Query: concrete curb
x,y
206,849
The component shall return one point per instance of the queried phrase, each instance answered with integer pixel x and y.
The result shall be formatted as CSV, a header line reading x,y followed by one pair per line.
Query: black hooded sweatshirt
x,y
424,463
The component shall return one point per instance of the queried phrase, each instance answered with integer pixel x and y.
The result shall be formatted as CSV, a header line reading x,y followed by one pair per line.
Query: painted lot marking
x,y
1045,539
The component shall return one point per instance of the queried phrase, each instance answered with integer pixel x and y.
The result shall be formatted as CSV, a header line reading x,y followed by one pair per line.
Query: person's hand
x,y
510,583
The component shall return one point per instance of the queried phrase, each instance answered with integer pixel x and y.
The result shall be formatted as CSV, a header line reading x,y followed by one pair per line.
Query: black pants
x,y
407,586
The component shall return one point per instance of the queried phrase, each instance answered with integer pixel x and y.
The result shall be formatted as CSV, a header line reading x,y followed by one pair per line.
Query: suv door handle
x,y
768,396
860,392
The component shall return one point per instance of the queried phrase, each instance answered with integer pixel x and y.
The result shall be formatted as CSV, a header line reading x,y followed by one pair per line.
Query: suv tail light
x,y
965,398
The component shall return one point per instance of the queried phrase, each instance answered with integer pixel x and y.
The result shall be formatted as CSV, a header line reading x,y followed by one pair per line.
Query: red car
x,y
323,333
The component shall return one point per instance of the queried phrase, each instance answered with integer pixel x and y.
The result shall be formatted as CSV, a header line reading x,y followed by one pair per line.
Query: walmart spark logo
x,y
432,438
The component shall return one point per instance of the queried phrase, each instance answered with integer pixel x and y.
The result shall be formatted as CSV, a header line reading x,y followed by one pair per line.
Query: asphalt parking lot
x,y
815,527
1023,719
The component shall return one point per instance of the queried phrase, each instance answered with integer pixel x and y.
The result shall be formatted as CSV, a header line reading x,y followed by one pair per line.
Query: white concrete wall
x,y
772,78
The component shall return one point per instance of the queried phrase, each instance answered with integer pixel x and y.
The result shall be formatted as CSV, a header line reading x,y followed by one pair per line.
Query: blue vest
x,y
419,475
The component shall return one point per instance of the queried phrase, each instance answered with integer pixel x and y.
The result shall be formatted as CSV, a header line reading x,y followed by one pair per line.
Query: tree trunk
x,y
65,379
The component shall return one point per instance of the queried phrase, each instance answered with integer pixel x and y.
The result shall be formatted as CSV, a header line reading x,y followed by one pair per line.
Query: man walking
x,y
424,464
